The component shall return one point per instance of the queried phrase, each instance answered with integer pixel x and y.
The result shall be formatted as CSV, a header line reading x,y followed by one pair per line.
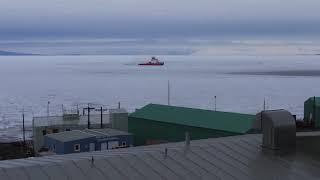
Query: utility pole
x,y
101,115
119,105
264,104
88,108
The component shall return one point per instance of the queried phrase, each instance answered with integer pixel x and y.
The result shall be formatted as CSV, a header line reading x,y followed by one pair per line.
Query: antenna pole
x,y
88,116
314,110
215,103
48,108
23,128
101,123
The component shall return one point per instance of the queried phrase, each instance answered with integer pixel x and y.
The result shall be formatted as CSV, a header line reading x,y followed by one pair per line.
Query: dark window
x,y
55,130
44,132
68,129
76,147
124,143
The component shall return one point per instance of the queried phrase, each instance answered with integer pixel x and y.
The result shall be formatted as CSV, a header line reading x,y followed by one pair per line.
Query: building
x,y
235,157
155,124
54,124
87,140
119,119
312,111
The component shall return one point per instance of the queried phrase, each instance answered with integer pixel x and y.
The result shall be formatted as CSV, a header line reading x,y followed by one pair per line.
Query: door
x,y
92,147
103,146
113,144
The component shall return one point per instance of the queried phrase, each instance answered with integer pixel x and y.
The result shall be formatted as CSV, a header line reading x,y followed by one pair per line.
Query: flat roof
x,y
67,136
234,157
73,135
121,110
224,121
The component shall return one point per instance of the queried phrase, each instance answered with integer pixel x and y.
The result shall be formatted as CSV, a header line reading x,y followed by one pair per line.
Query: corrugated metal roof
x,y
67,136
225,121
236,157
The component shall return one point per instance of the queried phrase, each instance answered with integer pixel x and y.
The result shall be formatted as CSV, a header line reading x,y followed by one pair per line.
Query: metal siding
x,y
309,108
127,138
98,144
84,145
119,121
59,149
144,130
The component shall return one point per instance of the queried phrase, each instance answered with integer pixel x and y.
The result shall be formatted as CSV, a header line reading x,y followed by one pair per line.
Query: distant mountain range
x,y
9,53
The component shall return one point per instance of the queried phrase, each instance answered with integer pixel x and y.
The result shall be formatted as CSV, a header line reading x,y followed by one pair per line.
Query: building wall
x,y
125,138
309,108
68,147
119,121
128,139
54,145
84,145
153,132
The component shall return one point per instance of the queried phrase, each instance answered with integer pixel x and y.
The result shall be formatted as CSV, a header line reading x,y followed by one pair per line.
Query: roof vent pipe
x,y
187,141
165,153
279,130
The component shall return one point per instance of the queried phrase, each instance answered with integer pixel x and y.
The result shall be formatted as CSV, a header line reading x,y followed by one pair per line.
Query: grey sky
x,y
96,16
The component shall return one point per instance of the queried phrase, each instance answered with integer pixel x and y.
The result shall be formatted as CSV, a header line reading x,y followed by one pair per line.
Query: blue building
x,y
87,140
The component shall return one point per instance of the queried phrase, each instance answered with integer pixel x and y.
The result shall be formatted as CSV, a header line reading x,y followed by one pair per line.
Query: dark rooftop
x,y
73,135
235,157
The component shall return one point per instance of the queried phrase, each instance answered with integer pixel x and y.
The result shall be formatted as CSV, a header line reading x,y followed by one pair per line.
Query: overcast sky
x,y
157,18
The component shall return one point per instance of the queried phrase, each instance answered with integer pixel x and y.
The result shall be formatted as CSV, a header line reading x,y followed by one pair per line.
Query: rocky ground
x,y
15,150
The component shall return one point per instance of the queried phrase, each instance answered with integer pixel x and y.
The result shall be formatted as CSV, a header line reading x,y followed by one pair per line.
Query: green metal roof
x,y
312,99
224,121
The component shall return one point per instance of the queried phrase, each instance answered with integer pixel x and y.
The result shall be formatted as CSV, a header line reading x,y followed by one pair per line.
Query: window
x,y
68,129
76,147
44,132
124,143
55,130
